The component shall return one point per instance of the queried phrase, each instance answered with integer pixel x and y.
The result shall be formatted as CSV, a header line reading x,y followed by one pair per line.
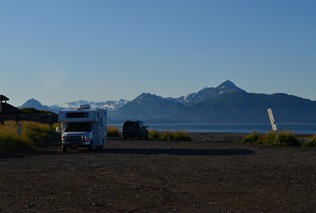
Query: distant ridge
x,y
208,92
33,103
225,103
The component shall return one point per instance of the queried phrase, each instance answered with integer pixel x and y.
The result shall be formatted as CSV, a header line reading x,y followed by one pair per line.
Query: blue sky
x,y
68,50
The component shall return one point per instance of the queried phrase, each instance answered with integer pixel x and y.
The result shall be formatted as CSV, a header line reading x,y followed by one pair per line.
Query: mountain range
x,y
109,105
225,103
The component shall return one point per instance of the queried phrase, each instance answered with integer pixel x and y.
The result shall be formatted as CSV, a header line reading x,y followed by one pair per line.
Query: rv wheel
x,y
100,147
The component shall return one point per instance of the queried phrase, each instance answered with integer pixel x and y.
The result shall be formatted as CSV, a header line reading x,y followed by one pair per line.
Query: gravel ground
x,y
209,174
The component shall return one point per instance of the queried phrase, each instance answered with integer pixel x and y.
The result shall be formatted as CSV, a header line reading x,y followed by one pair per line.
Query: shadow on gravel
x,y
180,151
192,152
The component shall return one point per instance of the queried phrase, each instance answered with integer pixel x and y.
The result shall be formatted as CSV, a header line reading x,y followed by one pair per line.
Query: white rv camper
x,y
83,127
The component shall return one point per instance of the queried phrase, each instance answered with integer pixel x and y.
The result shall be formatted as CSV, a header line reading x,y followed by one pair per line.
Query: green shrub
x,y
178,136
251,138
270,139
283,139
36,132
288,139
169,135
14,143
31,136
154,135
311,142
113,131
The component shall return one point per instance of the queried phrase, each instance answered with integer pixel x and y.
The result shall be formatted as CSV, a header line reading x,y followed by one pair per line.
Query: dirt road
x,y
157,176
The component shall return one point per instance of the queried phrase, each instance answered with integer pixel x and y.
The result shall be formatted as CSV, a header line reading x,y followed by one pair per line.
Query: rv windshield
x,y
78,127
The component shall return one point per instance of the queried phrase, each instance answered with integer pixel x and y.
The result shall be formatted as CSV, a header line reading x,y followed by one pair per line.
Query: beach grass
x,y
251,138
284,138
113,131
23,136
311,142
169,135
153,134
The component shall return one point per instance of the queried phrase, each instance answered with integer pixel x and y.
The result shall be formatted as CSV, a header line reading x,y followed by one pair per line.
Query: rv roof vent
x,y
85,106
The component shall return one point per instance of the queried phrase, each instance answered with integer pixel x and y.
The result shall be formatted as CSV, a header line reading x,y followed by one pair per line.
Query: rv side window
x,y
78,127
77,115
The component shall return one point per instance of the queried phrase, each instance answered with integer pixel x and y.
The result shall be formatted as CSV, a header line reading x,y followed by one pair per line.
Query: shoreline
x,y
223,137
231,137
231,128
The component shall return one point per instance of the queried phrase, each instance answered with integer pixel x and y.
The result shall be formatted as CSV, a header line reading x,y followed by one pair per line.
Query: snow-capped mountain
x,y
109,105
225,103
208,92
191,99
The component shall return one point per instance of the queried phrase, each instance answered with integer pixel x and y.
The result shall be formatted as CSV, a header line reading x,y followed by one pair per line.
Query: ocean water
x,y
298,128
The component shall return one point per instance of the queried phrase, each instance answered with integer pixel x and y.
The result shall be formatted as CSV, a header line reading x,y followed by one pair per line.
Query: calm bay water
x,y
299,128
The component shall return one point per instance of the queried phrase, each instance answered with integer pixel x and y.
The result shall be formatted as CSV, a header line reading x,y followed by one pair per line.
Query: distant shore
x,y
235,128
231,137
223,137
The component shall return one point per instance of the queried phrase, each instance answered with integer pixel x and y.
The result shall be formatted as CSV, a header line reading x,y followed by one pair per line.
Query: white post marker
x,y
19,129
274,127
273,124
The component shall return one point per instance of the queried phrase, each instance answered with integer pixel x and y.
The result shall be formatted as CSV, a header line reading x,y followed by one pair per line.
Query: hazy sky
x,y
66,50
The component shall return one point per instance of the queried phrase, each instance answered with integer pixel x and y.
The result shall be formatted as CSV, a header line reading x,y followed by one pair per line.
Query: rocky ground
x,y
209,174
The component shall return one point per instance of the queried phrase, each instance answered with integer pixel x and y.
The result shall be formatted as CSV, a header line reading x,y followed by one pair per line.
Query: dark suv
x,y
136,129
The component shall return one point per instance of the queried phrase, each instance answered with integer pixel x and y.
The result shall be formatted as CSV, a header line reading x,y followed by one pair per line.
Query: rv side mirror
x,y
57,129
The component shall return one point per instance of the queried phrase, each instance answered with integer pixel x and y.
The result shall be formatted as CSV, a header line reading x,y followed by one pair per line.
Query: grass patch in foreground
x,y
14,143
288,139
251,138
113,131
311,142
32,135
284,139
36,132
169,135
